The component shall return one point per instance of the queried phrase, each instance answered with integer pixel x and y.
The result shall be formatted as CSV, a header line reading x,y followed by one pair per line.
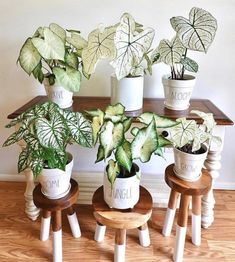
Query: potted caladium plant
x,y
46,130
127,45
53,56
122,175
196,34
190,141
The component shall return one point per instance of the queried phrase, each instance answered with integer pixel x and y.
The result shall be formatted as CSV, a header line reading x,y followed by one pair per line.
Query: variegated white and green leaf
x,y
112,171
114,112
24,160
208,119
189,64
100,45
58,30
36,166
123,155
198,32
97,122
127,124
71,60
200,137
135,130
160,121
77,41
16,136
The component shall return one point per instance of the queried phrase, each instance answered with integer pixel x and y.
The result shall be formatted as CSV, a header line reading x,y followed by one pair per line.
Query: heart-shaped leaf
x,y
51,47
123,155
114,113
198,32
160,121
189,64
208,119
69,78
112,171
130,47
58,30
71,60
29,56
100,45
77,41
24,160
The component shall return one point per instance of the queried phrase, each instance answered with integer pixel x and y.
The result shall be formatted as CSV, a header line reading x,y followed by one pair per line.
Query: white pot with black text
x,y
125,191
178,92
58,94
127,91
55,182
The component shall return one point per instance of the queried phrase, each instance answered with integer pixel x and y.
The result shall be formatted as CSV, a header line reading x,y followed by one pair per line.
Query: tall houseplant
x,y
122,175
46,130
194,34
53,56
127,46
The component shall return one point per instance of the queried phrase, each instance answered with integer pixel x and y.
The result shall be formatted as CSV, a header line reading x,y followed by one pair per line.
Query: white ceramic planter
x,y
55,182
127,91
57,94
125,191
189,166
178,92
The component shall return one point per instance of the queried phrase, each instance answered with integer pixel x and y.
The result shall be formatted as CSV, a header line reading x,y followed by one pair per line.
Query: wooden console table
x,y
156,105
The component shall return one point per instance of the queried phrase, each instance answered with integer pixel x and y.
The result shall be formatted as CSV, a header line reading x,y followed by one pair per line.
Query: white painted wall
x,y
215,80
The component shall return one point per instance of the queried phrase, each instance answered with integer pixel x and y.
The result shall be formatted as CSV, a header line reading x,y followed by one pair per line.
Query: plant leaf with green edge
x,y
32,143
123,155
29,56
135,130
162,141
51,47
73,31
80,128
114,112
155,57
51,133
171,51
24,160
160,121
130,47
183,133
113,171
200,137
111,136
77,41
100,45
198,32
145,143
15,137
37,72
72,60
149,64
58,30
127,124
36,166
159,152
87,76
69,78
39,32
189,64
208,119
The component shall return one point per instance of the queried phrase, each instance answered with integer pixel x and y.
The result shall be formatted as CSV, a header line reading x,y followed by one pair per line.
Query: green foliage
x,y
54,53
47,130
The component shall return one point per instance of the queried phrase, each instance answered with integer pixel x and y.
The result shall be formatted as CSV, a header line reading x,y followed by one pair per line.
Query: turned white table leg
x,y
99,232
144,238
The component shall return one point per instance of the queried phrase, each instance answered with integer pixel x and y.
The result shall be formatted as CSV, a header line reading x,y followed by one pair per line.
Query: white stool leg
x,y
196,230
144,235
57,246
179,243
99,232
120,245
45,228
168,222
74,225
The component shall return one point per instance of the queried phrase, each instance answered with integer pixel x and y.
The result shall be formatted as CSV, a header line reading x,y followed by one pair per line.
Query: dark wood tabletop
x,y
155,105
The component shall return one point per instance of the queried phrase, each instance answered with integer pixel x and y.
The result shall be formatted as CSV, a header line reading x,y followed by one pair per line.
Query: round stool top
x,y
41,201
198,187
122,218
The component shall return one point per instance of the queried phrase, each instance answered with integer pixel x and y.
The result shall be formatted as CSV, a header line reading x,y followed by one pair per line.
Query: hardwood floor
x,y
19,237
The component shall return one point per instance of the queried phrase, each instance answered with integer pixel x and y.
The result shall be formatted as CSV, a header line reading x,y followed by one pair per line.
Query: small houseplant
x,y
122,175
53,56
197,34
46,131
127,46
191,142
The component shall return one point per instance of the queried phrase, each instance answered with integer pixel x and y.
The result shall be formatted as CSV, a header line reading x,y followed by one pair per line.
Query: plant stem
x,y
183,68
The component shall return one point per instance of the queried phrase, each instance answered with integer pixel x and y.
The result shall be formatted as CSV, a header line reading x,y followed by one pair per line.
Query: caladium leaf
x,y
111,136
123,155
16,136
36,166
145,143
29,56
100,45
130,47
160,121
135,130
200,137
114,113
127,124
208,118
113,171
189,64
171,51
37,72
24,160
69,78
77,41
51,47
58,30
198,32
71,60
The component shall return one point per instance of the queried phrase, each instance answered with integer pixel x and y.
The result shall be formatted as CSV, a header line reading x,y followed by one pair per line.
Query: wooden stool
x,y
52,208
186,189
121,220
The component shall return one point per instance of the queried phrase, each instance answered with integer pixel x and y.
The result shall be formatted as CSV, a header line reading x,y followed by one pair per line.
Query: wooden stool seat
x,y
52,208
187,190
122,220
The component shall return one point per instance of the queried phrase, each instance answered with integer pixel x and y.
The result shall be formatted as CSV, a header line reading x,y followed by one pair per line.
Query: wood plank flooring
x,y
19,237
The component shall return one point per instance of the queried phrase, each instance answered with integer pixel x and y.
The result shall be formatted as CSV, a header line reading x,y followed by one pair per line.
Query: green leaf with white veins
x,y
171,51
69,78
58,30
160,121
29,56
130,48
198,32
189,64
145,143
51,47
24,160
100,45
123,155
111,136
